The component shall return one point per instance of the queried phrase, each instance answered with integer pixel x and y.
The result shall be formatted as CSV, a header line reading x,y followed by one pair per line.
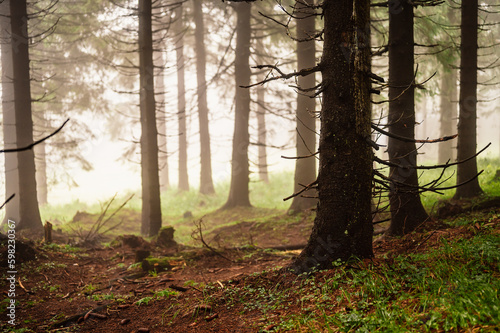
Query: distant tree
x,y
206,182
305,168
181,98
41,173
448,113
151,208
239,191
407,211
160,20
467,122
162,126
343,224
28,216
449,97
261,119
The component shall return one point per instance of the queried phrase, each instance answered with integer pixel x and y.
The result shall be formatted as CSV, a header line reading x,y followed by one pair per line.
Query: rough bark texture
x,y
9,122
28,202
206,182
343,225
448,115
407,211
151,209
305,168
467,136
181,101
238,191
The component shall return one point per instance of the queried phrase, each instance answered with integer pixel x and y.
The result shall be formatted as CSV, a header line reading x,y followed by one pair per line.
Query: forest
x,y
250,166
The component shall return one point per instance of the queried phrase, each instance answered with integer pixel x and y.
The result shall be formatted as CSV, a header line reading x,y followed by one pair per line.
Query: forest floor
x,y
411,284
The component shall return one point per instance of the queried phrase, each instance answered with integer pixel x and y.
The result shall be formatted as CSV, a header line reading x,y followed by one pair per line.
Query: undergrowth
x,y
452,288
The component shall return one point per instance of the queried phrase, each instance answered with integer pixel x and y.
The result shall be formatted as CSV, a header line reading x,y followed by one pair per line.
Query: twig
x,y
6,201
198,225
28,147
307,187
405,139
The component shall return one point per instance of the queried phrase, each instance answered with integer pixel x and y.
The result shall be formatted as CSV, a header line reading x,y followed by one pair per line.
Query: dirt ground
x,y
96,291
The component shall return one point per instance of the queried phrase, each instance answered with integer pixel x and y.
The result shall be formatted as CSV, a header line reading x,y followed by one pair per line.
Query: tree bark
x,y
343,224
407,211
28,202
239,191
181,101
151,208
12,210
467,130
206,182
305,168
448,115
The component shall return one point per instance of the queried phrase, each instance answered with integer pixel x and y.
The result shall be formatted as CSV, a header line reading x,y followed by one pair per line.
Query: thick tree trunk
x,y
151,208
407,211
305,168
448,115
238,191
12,211
41,173
206,183
467,135
29,211
343,225
181,101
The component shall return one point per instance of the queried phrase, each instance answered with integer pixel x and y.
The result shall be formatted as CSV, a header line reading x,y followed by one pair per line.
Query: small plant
x,y
89,288
144,301
166,293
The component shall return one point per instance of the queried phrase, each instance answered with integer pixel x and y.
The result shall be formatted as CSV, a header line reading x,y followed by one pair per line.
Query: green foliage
x,y
64,248
144,301
451,288
490,188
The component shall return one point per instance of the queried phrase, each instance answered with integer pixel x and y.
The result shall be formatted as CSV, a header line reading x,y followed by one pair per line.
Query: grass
x,y
491,188
266,198
452,287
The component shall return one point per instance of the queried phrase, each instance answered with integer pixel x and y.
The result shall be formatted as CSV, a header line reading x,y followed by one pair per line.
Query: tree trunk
x,y
151,208
181,101
448,115
29,211
305,168
262,134
41,173
162,124
343,225
467,136
407,211
206,183
261,116
12,210
238,191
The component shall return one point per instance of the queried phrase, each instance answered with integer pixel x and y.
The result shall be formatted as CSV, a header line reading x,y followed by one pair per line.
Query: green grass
x,y
490,188
453,287
266,198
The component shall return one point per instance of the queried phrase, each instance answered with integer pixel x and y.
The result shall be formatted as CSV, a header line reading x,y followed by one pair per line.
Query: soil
x,y
96,290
